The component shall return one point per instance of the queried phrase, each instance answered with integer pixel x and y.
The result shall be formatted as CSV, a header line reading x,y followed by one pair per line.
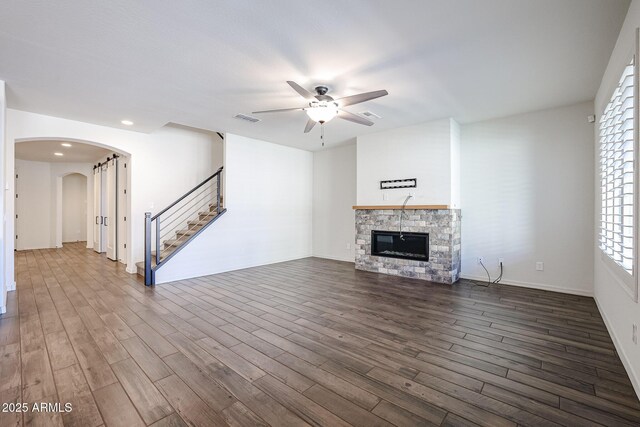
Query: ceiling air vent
x,y
370,114
246,118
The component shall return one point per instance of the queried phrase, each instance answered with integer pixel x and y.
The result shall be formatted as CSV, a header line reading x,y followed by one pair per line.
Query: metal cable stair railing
x,y
175,226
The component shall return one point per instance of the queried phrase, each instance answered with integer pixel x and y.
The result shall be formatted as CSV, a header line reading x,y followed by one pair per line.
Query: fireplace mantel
x,y
408,207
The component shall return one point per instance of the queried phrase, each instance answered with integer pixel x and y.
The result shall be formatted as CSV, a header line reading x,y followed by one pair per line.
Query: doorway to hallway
x,y
74,208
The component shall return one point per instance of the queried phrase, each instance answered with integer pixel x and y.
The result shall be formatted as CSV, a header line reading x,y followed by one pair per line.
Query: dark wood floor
x,y
303,342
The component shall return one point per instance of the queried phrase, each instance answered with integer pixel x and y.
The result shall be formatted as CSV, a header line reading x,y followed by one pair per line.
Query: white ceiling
x,y
42,151
198,63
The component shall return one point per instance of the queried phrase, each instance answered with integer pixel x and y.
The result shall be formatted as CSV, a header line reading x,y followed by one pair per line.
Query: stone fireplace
x,y
380,249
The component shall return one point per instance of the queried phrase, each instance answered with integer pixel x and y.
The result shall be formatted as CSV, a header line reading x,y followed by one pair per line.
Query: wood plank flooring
x,y
306,342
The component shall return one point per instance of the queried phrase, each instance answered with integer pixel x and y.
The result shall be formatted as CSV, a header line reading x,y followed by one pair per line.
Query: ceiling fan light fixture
x,y
322,108
322,111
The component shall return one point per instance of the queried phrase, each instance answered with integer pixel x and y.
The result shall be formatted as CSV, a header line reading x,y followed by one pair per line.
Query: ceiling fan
x,y
322,107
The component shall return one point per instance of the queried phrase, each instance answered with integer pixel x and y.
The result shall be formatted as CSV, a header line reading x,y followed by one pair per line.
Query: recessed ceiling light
x,y
127,122
66,144
58,154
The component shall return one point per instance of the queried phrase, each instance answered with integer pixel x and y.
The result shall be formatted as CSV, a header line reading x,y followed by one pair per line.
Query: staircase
x,y
175,226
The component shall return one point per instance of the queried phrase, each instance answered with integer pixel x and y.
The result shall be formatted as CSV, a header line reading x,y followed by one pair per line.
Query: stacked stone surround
x,y
443,226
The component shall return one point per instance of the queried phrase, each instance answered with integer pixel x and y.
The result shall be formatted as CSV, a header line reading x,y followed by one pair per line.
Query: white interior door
x,y
111,211
97,209
103,208
122,209
17,222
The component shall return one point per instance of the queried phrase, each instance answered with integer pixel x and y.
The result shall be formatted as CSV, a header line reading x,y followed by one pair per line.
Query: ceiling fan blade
x,y
361,97
309,126
276,111
302,91
345,115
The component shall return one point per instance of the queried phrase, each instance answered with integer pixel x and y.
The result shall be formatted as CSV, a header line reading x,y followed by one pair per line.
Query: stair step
x,y
164,253
207,215
174,243
188,231
140,266
202,219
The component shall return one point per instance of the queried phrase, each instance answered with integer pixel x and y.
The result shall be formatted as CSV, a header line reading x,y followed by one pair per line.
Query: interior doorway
x,y
74,208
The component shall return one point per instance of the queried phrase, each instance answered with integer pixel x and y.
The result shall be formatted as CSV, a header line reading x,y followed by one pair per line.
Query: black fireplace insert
x,y
392,244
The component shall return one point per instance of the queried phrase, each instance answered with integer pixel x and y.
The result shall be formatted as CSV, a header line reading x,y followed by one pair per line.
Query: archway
x,y
83,168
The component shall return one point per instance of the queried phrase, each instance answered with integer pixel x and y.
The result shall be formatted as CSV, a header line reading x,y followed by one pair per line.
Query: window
x,y
617,170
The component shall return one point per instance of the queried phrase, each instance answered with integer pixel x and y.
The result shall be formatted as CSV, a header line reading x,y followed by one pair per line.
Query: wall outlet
x,y
480,260
384,196
348,245
539,266
634,334
500,261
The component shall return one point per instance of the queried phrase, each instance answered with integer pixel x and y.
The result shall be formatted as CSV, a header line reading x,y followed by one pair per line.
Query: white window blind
x,y
617,172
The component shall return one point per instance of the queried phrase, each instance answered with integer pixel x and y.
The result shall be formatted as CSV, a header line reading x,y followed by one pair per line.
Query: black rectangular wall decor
x,y
399,183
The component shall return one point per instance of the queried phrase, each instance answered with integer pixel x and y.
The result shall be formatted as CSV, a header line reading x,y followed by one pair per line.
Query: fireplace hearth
x,y
406,245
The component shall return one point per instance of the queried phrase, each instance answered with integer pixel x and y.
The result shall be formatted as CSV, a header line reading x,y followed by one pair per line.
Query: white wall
x,y
334,194
74,208
526,197
163,165
269,217
616,306
456,164
33,205
7,282
422,151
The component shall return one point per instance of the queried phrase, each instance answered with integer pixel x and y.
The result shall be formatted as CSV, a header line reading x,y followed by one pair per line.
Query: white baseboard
x,y
11,286
133,270
234,268
633,375
346,259
3,309
540,286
